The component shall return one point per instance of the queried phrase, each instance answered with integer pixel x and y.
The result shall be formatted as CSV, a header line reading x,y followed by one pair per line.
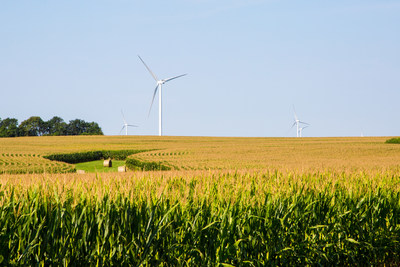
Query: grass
x,y
97,166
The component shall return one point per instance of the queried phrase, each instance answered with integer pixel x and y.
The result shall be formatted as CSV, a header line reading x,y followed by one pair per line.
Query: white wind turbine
x,y
159,86
297,122
126,125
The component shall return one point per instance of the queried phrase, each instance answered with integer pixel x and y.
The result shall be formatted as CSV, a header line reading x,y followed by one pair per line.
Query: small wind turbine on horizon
x,y
158,87
297,122
126,125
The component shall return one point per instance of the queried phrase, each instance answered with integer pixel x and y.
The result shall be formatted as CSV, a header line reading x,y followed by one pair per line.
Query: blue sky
x,y
248,63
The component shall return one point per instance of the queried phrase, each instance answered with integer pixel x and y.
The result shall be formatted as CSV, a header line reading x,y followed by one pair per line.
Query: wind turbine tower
x,y
158,87
297,122
301,130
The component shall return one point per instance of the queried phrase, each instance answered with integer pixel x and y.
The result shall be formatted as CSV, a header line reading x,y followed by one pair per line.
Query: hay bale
x,y
122,169
80,171
107,163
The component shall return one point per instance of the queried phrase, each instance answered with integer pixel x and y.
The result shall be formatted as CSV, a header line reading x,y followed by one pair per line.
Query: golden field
x,y
310,162
225,202
204,153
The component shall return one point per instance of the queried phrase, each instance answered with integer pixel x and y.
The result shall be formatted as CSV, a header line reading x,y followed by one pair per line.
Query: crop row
x,y
27,162
18,155
38,169
180,153
30,163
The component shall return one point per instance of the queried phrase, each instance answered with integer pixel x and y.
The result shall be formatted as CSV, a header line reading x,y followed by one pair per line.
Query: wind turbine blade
x,y
152,74
154,95
132,125
295,115
176,77
123,117
293,124
122,129
304,122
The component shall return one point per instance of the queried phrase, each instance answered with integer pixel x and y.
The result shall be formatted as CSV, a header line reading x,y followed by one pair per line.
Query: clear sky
x,y
248,63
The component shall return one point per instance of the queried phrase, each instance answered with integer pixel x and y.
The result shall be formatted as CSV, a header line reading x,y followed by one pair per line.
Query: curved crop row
x,y
31,163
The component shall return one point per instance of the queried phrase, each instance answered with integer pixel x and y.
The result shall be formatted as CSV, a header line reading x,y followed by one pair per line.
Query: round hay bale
x,y
107,163
122,169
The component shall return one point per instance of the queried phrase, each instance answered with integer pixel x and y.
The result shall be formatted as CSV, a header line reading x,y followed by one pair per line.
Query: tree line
x,y
35,126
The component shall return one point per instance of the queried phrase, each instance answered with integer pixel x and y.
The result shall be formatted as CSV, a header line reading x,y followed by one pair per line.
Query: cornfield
x,y
257,212
209,153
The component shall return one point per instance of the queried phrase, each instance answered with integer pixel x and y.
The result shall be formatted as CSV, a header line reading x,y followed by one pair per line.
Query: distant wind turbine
x,y
297,122
126,125
159,86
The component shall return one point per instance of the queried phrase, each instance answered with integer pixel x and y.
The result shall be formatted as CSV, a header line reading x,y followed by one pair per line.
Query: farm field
x,y
204,153
224,201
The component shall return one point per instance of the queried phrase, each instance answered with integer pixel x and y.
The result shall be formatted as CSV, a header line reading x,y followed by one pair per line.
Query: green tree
x,y
34,126
93,128
76,127
56,126
9,127
81,127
